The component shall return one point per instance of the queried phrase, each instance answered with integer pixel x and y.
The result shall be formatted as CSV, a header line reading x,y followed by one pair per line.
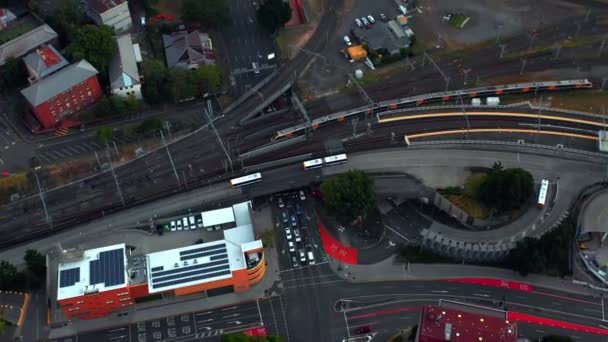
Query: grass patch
x,y
368,79
465,197
580,100
17,28
416,254
282,40
470,205
459,20
531,51
268,239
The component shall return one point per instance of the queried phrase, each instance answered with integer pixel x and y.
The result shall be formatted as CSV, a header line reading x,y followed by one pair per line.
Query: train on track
x,y
463,94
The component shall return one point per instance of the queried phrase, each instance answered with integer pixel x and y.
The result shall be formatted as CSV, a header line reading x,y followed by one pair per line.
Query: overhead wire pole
x,y
122,199
219,139
466,117
162,136
48,218
445,77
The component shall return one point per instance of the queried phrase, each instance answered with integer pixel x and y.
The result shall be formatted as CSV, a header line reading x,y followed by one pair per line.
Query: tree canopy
x,y
14,74
506,189
36,262
105,135
273,14
212,13
155,74
349,196
95,44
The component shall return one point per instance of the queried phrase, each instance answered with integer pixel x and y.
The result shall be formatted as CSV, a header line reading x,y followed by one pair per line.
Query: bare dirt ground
x,y
489,19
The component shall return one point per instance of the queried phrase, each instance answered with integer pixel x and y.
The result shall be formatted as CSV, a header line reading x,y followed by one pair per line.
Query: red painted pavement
x,y
512,285
297,14
257,331
520,317
335,249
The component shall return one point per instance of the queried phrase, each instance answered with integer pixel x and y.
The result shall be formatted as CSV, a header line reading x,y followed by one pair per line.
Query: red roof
x,y
439,324
48,56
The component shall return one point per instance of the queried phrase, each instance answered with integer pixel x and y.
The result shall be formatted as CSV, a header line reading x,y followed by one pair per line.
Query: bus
x,y
245,180
337,159
313,164
542,194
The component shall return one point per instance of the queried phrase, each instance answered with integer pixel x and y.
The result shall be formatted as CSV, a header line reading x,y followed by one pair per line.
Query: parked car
x,y
185,223
199,221
284,215
358,23
288,233
302,196
281,204
363,329
293,221
292,247
179,225
365,22
402,9
302,256
298,209
192,222
383,17
296,233
173,226
311,258
347,41
294,261
371,19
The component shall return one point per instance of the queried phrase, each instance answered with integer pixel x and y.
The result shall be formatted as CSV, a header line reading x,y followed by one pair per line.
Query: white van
x,y
192,222
185,222
311,258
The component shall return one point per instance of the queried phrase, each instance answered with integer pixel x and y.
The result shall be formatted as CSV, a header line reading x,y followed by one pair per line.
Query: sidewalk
x,y
393,270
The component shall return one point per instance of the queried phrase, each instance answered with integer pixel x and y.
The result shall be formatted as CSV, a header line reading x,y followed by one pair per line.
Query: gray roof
x,y
58,82
183,48
380,36
45,61
123,68
26,42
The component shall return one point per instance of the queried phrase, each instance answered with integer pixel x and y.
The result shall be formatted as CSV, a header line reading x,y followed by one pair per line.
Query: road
x,y
309,309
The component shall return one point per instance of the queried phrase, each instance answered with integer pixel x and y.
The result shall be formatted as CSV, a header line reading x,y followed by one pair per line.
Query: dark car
x,y
363,330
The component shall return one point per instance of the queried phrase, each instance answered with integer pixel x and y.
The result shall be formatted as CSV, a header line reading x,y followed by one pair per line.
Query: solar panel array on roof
x,y
109,269
69,277
218,265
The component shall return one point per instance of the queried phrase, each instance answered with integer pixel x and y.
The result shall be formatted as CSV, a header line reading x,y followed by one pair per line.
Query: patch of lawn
x,y
459,20
581,100
17,28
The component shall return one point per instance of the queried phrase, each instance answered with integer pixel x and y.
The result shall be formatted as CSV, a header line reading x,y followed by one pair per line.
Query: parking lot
x,y
297,235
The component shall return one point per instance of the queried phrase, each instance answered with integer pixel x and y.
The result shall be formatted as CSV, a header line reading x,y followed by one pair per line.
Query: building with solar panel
x,y
95,282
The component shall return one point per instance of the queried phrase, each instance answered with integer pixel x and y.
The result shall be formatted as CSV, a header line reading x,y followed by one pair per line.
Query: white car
x,y
296,233
347,41
365,21
371,19
292,248
179,225
402,9
192,222
173,226
302,196
143,21
358,23
288,233
281,204
302,256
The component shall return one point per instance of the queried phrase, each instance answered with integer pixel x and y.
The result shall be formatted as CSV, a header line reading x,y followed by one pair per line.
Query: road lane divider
x,y
504,114
498,130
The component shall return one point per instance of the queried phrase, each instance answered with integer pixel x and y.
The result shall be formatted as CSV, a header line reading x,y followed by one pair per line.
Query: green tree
x,y
349,196
213,13
209,78
36,262
155,87
95,44
183,84
527,257
14,74
103,108
133,104
105,135
3,326
273,14
557,338
119,105
8,276
150,126
497,166
507,189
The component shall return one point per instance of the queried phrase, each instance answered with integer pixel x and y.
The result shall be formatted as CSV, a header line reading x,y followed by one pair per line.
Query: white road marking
x,y
231,308
442,291
481,295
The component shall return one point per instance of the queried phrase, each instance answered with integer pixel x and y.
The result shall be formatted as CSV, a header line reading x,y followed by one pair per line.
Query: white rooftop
x,y
206,262
218,216
109,273
602,141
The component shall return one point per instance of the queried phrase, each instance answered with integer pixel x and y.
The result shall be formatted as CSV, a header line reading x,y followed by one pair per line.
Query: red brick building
x,y
459,322
63,93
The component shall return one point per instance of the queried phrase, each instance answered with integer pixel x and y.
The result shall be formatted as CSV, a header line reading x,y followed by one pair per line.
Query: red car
x,y
363,330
